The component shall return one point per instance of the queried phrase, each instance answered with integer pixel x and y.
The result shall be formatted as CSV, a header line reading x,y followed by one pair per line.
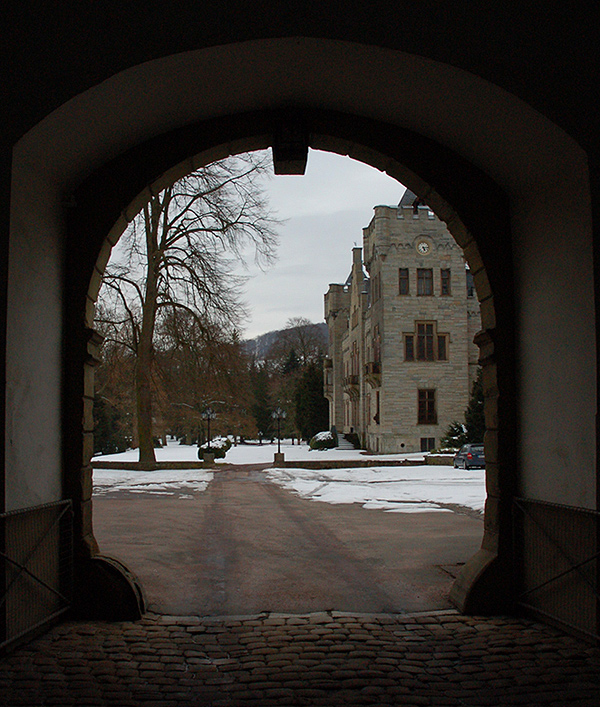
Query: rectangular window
x,y
354,363
445,282
403,288
425,341
376,287
442,347
470,284
428,346
424,281
426,412
409,347
376,344
427,444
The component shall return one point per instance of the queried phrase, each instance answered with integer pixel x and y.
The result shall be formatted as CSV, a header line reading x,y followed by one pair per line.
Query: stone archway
x,y
503,168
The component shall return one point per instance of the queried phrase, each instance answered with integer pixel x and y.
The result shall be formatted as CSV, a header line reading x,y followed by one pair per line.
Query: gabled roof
x,y
409,199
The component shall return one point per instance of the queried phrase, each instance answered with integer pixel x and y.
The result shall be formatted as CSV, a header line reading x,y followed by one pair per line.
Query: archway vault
x,y
491,167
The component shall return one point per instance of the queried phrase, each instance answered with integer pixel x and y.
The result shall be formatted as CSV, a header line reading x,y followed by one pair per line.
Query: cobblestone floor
x,y
315,659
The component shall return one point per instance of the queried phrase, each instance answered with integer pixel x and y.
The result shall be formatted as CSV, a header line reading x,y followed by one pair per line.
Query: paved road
x,y
246,545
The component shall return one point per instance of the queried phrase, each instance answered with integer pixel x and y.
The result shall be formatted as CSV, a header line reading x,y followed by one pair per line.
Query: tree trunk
x,y
143,369
144,410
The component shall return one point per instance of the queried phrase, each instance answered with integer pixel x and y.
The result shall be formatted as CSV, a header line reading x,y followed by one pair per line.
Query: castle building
x,y
401,360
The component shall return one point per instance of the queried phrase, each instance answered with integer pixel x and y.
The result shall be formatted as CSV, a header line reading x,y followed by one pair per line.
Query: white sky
x,y
325,211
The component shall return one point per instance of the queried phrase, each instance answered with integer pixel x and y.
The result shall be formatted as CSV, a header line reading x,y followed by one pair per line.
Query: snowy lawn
x,y
165,481
407,489
255,454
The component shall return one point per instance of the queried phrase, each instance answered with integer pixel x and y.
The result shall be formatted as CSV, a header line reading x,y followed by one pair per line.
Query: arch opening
x,y
488,555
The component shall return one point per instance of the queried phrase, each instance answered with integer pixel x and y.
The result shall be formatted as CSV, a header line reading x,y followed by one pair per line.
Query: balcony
x,y
373,373
351,387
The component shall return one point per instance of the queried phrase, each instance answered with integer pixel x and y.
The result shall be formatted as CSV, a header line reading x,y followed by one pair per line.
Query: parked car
x,y
470,456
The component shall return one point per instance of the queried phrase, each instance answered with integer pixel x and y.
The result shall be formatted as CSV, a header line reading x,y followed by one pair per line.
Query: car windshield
x,y
478,449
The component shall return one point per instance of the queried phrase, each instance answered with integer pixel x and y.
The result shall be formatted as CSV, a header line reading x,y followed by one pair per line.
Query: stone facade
x,y
401,358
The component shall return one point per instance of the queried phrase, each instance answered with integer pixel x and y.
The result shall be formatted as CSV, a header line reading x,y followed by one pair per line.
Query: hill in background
x,y
261,346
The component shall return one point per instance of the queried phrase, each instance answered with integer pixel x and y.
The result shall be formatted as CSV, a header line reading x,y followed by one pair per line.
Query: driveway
x,y
246,545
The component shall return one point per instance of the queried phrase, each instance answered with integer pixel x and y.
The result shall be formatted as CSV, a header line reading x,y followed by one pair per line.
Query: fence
x,y
556,550
36,568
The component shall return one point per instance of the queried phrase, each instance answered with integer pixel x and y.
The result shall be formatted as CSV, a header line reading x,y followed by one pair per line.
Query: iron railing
x,y
36,568
557,552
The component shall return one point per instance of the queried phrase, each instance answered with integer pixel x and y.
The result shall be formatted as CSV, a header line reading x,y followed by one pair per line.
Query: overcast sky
x,y
325,211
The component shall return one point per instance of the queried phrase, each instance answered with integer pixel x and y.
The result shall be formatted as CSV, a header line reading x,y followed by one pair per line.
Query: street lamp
x,y
279,414
208,415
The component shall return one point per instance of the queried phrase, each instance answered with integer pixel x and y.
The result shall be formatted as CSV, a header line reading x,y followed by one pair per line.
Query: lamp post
x,y
208,415
279,414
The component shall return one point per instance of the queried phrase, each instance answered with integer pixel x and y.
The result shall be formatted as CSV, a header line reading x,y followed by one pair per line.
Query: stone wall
x,y
410,237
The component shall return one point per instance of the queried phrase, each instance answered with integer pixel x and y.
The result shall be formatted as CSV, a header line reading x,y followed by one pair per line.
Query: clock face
x,y
423,247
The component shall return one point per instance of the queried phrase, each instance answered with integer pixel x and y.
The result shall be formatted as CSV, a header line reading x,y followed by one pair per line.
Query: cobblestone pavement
x,y
313,659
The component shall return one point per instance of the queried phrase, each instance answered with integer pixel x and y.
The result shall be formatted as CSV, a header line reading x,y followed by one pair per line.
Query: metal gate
x,y
556,550
36,553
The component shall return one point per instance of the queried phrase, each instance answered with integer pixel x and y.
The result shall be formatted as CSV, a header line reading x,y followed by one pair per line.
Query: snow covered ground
x,y
181,482
399,489
404,489
254,453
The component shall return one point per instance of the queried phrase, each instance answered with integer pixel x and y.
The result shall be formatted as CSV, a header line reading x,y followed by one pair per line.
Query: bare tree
x,y
200,370
179,254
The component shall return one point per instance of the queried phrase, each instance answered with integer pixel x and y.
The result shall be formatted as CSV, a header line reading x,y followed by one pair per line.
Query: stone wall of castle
x,y
402,361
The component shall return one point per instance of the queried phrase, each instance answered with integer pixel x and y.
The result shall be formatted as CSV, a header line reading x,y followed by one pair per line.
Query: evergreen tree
x,y
109,423
455,437
261,408
291,364
473,428
474,417
312,408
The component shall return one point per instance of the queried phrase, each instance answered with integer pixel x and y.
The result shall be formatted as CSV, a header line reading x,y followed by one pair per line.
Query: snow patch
x,y
165,481
403,489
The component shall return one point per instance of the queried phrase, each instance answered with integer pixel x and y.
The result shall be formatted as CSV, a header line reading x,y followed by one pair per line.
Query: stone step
x,y
343,443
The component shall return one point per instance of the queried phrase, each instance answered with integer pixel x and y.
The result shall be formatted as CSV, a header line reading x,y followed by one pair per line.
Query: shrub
x,y
323,440
218,446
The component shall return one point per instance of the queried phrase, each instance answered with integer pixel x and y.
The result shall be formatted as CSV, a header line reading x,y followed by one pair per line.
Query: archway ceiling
x,y
549,59
500,134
